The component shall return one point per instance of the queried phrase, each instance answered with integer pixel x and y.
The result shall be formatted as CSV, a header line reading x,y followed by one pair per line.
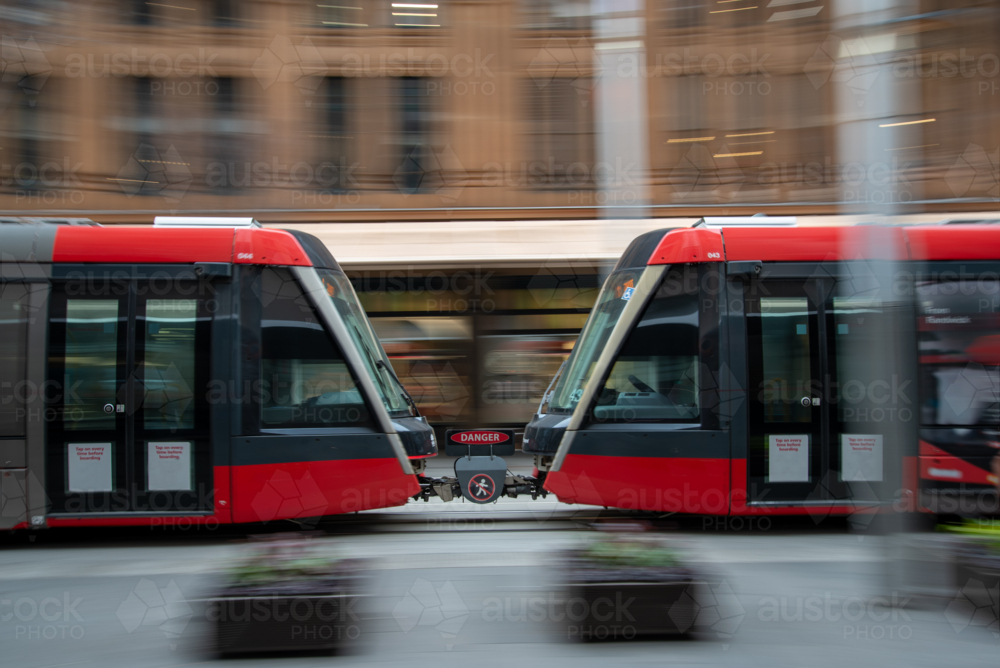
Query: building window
x,y
142,13
416,15
807,118
333,138
683,14
225,144
414,139
561,133
223,13
555,15
342,14
145,159
688,104
22,133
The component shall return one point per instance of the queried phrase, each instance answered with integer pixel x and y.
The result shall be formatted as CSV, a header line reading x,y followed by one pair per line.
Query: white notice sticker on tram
x,y
861,457
89,467
169,466
788,457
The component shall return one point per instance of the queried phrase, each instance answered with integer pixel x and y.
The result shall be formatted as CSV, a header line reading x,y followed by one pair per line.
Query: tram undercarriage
x,y
481,473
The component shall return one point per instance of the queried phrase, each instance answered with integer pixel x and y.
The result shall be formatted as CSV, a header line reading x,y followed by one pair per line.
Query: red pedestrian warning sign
x,y
482,479
481,487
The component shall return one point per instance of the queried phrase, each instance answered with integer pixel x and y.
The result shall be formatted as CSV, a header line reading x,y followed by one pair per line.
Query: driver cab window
x,y
658,374
305,381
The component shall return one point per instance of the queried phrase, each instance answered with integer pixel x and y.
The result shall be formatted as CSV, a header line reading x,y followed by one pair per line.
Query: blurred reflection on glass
x,y
91,363
432,357
169,363
516,370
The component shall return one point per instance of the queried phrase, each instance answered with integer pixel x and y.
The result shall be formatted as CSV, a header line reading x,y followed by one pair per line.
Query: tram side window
x,y
13,354
305,381
959,353
658,374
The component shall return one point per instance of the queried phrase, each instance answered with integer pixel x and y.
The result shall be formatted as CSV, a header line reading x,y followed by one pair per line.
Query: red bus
x,y
731,370
198,371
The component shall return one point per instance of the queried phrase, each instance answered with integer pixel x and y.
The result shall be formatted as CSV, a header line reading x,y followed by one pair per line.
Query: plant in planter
x,y
286,598
623,585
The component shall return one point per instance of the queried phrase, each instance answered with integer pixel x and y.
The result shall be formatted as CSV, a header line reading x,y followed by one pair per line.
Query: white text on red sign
x,y
480,437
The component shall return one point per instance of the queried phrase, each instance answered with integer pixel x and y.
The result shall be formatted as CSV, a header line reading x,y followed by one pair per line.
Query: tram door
x,y
127,408
814,436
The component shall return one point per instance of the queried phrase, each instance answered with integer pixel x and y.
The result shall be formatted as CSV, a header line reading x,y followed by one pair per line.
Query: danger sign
x,y
471,442
465,437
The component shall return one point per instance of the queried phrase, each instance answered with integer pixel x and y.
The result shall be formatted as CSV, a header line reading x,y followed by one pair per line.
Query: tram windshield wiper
x,y
392,374
378,363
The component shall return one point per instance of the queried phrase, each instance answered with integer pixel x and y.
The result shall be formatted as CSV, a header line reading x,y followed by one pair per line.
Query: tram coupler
x,y
481,474
449,489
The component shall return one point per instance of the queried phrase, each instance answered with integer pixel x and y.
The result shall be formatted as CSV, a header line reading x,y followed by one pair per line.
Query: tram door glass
x,y
127,409
868,399
819,406
171,469
785,455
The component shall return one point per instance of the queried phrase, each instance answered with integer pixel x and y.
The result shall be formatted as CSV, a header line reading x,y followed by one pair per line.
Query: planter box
x,y
290,617
921,567
977,563
626,603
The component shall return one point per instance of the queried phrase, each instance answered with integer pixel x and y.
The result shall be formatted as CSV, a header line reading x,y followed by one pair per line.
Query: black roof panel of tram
x,y
319,255
640,250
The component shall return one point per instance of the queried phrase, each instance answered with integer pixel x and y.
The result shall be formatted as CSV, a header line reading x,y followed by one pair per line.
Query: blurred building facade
x,y
375,110
357,119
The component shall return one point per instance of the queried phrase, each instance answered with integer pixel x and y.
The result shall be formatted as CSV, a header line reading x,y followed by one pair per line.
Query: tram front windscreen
x,y
615,294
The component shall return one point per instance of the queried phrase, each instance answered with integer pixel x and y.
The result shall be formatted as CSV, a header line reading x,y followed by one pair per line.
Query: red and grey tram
x,y
197,371
733,370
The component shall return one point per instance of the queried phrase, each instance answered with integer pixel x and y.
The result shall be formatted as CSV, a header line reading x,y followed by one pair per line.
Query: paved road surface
x,y
479,598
